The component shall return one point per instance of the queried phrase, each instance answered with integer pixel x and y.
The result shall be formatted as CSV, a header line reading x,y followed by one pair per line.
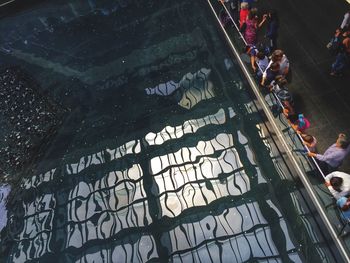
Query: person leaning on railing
x,y
309,141
335,154
338,184
270,74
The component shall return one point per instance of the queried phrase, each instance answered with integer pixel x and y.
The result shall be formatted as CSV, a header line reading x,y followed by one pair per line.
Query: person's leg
x,y
338,65
331,168
323,166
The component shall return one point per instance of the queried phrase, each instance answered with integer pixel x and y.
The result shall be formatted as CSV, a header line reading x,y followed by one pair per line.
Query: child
x,y
344,204
299,123
309,141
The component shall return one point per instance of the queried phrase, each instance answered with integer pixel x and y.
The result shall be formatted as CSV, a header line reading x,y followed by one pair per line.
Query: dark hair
x,y
247,48
251,15
293,118
254,11
336,183
343,141
260,55
308,138
280,80
273,15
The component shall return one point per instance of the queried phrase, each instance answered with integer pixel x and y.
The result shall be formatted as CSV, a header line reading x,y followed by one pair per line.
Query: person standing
x,y
243,15
259,64
335,154
272,29
279,57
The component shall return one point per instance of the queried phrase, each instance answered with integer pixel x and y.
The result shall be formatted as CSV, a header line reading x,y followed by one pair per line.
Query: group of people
x,y
339,45
245,15
272,69
337,182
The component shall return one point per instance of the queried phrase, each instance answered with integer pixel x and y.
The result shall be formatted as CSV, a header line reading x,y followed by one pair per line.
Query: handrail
x,y
281,138
229,14
275,95
6,3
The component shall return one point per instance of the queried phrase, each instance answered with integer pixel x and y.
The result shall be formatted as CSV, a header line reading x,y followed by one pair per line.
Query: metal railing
x,y
290,142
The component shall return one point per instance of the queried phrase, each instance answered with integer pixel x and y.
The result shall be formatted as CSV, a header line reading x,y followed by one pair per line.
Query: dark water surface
x,y
162,156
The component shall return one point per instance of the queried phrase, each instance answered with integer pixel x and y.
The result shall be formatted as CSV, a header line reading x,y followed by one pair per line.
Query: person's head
x,y
337,31
275,67
251,15
293,118
260,55
247,48
244,5
280,80
342,141
254,12
336,183
277,55
307,138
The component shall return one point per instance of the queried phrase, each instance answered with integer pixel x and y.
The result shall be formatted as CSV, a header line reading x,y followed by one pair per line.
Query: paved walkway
x,y
305,28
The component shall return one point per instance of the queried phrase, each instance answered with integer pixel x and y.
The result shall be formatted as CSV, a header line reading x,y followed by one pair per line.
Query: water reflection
x,y
131,147
188,127
187,188
242,232
118,203
191,89
4,192
34,239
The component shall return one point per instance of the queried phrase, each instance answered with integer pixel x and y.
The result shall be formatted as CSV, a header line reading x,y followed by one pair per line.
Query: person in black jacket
x,y
272,29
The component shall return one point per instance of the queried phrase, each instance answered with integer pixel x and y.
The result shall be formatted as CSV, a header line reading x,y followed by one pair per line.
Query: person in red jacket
x,y
243,14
